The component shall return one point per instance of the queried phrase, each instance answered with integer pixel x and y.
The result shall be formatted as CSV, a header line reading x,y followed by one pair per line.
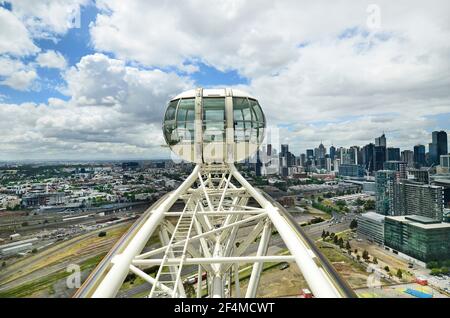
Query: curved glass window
x,y
242,117
258,123
185,119
249,121
179,121
213,119
171,110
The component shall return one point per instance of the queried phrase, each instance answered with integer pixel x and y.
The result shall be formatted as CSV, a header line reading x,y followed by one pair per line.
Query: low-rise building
x,y
13,250
371,225
418,237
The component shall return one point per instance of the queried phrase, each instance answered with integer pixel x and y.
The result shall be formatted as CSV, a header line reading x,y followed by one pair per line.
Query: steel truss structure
x,y
225,224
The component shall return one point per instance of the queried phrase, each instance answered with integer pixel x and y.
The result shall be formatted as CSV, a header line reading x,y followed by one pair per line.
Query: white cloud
x,y
51,59
101,81
20,80
48,18
15,74
14,37
114,111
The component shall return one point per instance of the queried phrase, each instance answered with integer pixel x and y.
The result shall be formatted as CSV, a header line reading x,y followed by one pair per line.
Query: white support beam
x,y
236,280
150,279
218,213
198,236
257,267
218,260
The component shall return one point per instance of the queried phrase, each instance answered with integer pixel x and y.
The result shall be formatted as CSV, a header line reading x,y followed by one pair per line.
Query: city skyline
x,y
71,88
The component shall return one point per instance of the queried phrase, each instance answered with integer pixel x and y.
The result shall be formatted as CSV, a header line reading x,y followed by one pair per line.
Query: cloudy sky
x,y
85,79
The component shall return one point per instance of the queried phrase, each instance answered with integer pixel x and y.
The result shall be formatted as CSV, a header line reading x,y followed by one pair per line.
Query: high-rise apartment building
x,y
384,191
418,199
419,175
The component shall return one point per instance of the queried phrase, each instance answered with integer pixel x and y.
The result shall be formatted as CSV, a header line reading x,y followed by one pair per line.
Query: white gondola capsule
x,y
214,125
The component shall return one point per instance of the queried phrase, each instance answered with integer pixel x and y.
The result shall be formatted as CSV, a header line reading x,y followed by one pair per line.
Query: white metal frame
x,y
205,234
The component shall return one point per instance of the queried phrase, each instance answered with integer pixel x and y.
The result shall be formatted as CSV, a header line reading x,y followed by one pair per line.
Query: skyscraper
x,y
379,157
320,151
303,160
393,154
380,141
353,155
284,160
332,152
379,152
368,152
438,146
419,155
408,157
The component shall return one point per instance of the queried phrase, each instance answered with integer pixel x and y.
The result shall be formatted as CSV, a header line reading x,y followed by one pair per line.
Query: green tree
x,y
387,269
335,239
365,255
399,273
190,290
102,234
369,205
341,242
375,260
353,224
